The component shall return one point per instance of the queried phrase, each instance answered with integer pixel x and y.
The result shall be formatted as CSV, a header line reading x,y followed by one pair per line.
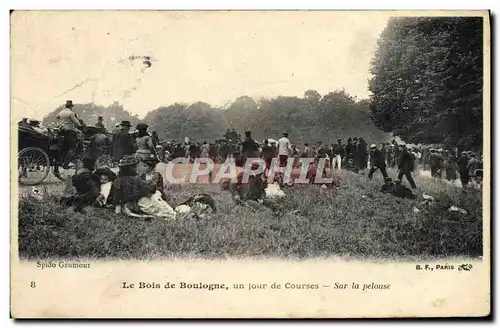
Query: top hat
x,y
248,133
99,117
69,103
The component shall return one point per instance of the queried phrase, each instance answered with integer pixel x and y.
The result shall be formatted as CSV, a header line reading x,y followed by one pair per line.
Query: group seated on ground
x,y
137,194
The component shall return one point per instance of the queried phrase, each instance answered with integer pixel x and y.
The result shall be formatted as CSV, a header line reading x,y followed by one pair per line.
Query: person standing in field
x,y
473,165
307,152
463,169
348,149
99,123
205,150
70,128
155,138
362,158
267,154
406,165
249,147
450,166
389,155
123,142
377,162
436,163
284,149
322,150
146,151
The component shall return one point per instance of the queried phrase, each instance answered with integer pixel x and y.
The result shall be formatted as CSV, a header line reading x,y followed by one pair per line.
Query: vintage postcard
x,y
250,164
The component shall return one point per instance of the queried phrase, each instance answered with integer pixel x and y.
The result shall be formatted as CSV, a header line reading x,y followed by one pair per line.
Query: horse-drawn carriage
x,y
39,152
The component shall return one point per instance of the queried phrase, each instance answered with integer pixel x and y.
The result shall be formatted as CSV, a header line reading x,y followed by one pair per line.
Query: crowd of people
x,y
353,155
138,187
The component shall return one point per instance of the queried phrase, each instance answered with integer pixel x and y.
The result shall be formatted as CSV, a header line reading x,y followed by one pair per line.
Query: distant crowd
x,y
138,188
354,155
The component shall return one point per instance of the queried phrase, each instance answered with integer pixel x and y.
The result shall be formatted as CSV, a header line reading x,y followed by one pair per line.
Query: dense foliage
x,y
427,83
308,119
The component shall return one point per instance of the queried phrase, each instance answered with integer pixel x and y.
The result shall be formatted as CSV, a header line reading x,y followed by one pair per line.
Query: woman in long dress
x,y
145,148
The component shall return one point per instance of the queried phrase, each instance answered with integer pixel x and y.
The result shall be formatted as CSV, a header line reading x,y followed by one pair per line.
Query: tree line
x,y
310,119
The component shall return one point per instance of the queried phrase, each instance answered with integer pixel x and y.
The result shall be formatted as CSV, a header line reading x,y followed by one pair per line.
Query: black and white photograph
x,y
251,135
377,127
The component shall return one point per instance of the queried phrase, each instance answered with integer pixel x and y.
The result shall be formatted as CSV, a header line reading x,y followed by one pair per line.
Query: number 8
x,y
33,284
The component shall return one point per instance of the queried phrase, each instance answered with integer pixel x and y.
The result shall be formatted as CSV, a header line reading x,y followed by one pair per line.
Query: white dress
x,y
156,206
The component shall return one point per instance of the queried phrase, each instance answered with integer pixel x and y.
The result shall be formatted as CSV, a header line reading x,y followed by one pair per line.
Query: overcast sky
x,y
213,57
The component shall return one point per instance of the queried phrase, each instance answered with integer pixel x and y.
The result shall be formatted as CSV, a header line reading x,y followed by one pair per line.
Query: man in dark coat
x,y
406,165
249,148
267,154
338,155
86,185
389,151
322,150
463,169
123,142
155,139
436,163
99,123
362,154
377,161
348,149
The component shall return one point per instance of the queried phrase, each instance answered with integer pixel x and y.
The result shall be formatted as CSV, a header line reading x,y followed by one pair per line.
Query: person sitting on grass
x,y
126,189
252,192
86,187
397,189
149,173
106,178
151,203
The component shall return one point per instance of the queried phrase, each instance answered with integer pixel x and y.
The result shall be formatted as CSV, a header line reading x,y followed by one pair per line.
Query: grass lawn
x,y
352,221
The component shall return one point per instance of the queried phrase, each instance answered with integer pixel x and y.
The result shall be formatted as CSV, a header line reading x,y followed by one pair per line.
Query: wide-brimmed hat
x,y
105,171
128,160
69,103
373,146
126,123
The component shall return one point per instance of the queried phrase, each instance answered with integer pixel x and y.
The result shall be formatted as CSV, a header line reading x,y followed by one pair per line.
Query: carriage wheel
x,y
33,166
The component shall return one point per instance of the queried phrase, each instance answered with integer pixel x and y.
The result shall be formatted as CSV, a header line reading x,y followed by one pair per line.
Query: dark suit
x,y
123,144
377,161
